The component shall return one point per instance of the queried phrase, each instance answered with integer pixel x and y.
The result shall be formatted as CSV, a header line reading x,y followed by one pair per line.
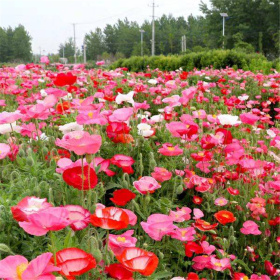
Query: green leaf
x,y
244,265
161,275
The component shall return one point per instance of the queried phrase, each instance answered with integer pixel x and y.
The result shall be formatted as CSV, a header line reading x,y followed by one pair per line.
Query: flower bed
x,y
155,175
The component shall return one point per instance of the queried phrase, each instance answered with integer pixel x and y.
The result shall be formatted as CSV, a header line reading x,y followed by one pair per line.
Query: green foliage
x,y
215,58
15,45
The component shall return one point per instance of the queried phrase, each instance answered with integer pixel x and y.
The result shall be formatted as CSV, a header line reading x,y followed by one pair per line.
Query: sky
x,y
49,22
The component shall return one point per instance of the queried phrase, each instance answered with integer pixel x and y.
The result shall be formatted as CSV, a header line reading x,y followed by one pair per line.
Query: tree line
x,y
251,26
15,44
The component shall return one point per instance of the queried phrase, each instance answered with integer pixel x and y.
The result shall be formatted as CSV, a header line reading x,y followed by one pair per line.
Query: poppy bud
x,y
51,196
14,176
161,255
179,189
89,158
45,151
30,161
21,153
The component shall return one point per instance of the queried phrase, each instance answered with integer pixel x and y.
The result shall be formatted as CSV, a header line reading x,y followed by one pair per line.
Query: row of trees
x,y
15,45
252,25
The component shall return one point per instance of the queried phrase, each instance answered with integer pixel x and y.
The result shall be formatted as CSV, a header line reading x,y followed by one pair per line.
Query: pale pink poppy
x,y
9,117
181,215
183,234
78,216
146,185
44,59
250,227
121,115
17,268
161,174
158,225
221,201
2,102
220,264
118,243
198,214
4,150
207,249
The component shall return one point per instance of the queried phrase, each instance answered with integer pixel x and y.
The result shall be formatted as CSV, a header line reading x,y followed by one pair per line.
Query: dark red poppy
x,y
122,197
191,247
203,225
110,218
118,271
63,79
138,260
74,262
80,179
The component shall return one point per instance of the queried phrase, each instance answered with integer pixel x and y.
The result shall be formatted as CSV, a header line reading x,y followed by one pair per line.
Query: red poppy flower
x,y
224,217
110,218
118,271
82,180
122,197
203,225
62,107
124,162
74,262
233,191
184,75
119,132
138,260
192,276
65,79
227,135
191,247
270,269
197,200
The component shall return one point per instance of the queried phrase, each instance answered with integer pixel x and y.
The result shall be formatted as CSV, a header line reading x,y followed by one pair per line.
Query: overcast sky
x,y
49,21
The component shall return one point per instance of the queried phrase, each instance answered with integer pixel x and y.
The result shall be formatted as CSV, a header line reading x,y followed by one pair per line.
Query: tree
x,y
95,44
3,45
21,44
69,50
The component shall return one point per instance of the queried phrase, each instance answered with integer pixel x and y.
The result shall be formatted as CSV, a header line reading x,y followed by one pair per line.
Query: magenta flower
x,y
220,264
161,174
121,115
170,150
249,118
80,142
250,227
50,219
78,216
183,234
17,268
158,225
146,185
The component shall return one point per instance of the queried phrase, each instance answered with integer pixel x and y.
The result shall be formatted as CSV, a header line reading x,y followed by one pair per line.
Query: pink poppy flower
x,y
80,142
200,114
121,115
201,262
170,151
198,214
220,264
2,102
181,215
146,185
100,63
161,174
4,150
9,117
28,206
207,249
183,234
91,117
250,227
78,217
158,225
52,218
17,267
221,201
249,118
44,59
118,243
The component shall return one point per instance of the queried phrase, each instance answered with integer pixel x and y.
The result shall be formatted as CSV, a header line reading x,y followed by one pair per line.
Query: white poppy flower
x,y
73,126
228,119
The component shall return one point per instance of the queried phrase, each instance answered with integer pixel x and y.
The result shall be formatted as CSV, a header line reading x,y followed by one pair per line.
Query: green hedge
x,y
215,58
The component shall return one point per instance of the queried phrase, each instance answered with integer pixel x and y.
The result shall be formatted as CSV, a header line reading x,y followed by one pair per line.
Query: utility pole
x,y
153,29
183,43
75,54
224,15
85,52
142,32
63,51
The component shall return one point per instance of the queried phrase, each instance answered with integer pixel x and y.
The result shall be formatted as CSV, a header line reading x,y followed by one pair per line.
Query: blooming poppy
x,y
139,260
224,217
80,178
118,271
122,197
63,79
203,225
110,218
197,200
74,262
191,247
124,162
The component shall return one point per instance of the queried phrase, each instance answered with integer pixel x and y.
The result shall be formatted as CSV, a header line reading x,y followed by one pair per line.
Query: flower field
x,y
123,175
